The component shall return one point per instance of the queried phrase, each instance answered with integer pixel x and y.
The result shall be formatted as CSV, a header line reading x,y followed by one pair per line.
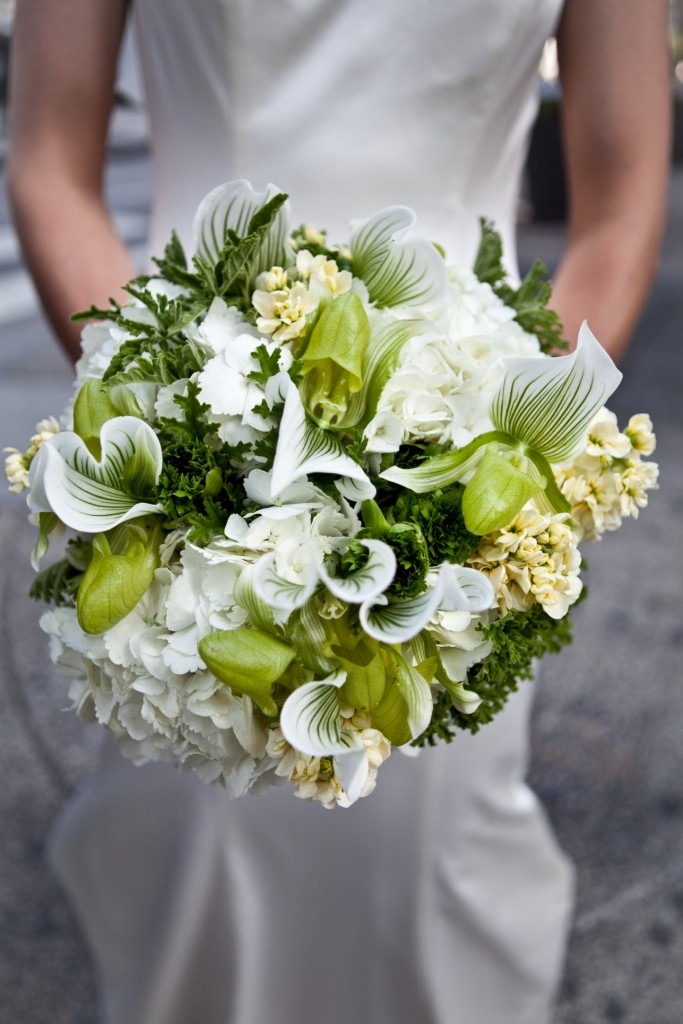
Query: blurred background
x,y
607,751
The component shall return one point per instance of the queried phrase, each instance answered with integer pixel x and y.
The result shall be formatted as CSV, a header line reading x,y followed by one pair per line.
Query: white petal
x,y
351,769
548,403
303,448
311,720
396,270
232,206
395,622
85,493
464,589
281,593
365,583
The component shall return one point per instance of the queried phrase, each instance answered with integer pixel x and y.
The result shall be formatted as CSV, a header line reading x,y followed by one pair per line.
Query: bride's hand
x,y
64,56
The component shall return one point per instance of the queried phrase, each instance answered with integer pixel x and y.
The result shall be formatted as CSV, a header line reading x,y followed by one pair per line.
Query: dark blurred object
x,y
545,162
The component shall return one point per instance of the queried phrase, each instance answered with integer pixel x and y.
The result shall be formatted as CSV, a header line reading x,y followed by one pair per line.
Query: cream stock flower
x,y
17,463
283,312
640,433
319,268
534,559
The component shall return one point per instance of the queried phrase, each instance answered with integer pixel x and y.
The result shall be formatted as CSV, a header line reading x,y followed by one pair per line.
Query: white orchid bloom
x,y
92,495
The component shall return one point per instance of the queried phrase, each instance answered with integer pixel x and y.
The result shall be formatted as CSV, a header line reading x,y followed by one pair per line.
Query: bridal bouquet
x,y
322,500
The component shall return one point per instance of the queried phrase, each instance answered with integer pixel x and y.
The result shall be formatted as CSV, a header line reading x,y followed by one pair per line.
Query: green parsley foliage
x,y
530,300
439,517
269,365
412,560
200,483
517,639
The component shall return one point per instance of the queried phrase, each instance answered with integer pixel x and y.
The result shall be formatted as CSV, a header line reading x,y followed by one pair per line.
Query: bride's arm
x,y
614,68
64,55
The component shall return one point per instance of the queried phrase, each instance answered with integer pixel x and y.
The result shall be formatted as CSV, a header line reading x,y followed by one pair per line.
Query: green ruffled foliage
x,y
439,517
529,300
517,640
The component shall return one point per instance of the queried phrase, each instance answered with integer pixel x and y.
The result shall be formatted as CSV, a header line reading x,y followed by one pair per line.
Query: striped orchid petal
x,y
369,581
396,270
442,470
311,719
278,592
92,495
303,449
395,622
382,355
464,589
230,207
548,403
417,694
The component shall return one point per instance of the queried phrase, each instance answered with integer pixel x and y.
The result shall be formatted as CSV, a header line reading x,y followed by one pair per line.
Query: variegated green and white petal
x,y
278,592
395,622
356,489
244,592
369,581
382,355
87,494
464,589
466,701
351,769
303,449
417,694
396,270
231,207
439,471
311,721
548,403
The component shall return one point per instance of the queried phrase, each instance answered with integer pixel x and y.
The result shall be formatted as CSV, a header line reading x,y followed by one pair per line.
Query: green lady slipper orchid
x,y
248,661
121,570
333,360
541,411
94,495
499,489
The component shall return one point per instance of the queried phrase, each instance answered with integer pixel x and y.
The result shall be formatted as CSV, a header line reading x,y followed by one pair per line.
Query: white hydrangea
x,y
441,390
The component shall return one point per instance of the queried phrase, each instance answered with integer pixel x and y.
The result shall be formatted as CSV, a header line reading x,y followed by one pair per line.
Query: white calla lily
x,y
398,271
92,495
303,449
547,404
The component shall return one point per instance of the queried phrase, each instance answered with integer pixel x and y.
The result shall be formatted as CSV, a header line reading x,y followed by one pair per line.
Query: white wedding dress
x,y
442,898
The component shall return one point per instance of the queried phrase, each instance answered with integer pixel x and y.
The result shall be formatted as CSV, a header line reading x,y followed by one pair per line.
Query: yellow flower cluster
x,y
534,559
284,298
609,480
17,463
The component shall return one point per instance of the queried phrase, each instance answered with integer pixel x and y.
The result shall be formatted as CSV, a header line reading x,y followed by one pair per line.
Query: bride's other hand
x,y
64,56
614,70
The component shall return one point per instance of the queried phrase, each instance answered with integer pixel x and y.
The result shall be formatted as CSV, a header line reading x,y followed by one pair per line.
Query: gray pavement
x,y
607,755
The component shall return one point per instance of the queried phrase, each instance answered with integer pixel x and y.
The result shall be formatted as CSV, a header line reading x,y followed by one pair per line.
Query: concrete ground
x,y
607,754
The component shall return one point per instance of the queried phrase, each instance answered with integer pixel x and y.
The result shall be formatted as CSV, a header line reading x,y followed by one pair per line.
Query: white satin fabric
x,y
442,898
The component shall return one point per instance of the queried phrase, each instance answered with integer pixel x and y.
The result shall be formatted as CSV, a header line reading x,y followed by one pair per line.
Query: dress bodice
x,y
347,105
